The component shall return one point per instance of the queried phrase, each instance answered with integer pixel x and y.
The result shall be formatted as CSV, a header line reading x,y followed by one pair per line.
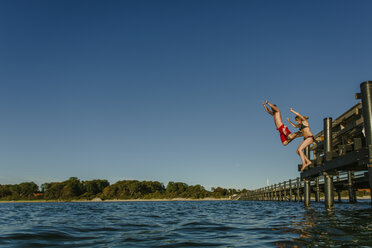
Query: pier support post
x,y
328,180
271,193
339,195
256,195
266,198
307,193
277,188
285,191
366,94
328,191
259,195
290,190
338,190
317,192
298,190
328,138
351,190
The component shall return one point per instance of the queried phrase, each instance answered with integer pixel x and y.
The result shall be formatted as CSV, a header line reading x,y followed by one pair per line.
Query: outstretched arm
x,y
267,110
294,125
272,106
298,114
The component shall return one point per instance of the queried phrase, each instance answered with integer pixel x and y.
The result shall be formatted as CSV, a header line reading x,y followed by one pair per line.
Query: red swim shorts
x,y
284,132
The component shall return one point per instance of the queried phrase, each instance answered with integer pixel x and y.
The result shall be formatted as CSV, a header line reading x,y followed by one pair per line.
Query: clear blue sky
x,y
171,90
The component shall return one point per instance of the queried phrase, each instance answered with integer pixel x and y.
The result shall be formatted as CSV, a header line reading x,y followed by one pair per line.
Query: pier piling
x,y
338,190
328,138
328,191
366,94
317,190
285,191
307,193
298,190
351,190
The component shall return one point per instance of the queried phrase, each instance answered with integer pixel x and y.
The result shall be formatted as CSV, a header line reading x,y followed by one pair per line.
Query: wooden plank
x,y
355,160
355,110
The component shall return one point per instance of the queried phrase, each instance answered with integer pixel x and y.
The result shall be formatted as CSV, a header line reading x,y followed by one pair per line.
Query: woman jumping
x,y
285,135
304,127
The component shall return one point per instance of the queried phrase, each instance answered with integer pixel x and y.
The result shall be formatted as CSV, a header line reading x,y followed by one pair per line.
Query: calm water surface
x,y
184,224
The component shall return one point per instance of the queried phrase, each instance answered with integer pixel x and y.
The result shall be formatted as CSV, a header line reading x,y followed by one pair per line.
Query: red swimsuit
x,y
284,132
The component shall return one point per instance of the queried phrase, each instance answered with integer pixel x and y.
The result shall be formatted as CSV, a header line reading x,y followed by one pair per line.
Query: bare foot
x,y
304,166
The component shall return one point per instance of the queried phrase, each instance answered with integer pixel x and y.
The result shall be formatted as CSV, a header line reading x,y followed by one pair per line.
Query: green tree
x,y
196,191
66,190
5,191
28,189
53,191
177,189
95,187
219,192
72,189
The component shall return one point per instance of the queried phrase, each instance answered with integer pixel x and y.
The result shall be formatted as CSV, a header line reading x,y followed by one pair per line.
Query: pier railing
x,y
341,159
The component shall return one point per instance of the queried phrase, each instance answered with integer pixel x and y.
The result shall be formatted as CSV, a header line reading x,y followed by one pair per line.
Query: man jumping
x,y
285,135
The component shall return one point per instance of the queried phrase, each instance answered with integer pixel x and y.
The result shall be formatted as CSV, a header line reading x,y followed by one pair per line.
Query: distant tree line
x,y
75,189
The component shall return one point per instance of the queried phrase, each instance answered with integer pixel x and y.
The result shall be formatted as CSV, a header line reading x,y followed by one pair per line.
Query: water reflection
x,y
345,226
185,224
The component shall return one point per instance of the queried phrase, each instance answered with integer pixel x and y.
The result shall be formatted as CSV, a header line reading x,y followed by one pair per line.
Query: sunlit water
x,y
184,224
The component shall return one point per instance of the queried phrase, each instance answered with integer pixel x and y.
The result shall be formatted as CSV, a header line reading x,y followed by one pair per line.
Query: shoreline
x,y
156,200
118,200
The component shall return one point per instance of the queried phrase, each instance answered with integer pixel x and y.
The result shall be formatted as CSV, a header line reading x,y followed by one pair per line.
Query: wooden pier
x,y
341,159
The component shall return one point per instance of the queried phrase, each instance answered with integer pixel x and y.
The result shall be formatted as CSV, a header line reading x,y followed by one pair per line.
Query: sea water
x,y
184,224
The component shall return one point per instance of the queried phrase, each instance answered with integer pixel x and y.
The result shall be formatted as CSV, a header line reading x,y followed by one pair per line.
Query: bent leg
x,y
305,161
291,137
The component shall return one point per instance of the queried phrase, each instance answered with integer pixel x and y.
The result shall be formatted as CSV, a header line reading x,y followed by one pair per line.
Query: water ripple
x,y
184,224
